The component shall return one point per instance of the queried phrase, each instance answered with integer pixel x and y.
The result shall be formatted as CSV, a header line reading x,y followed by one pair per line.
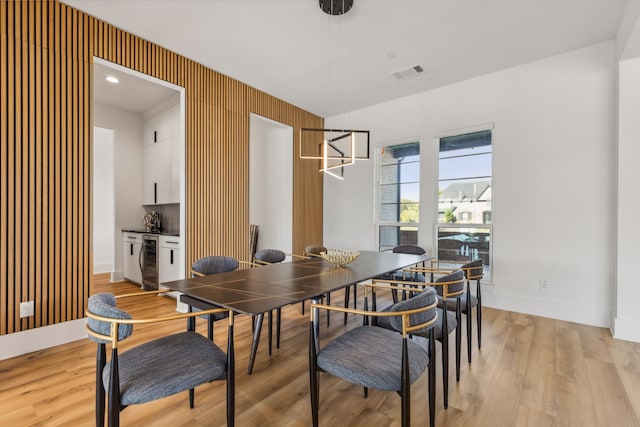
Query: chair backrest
x,y
104,305
455,280
270,256
215,264
409,249
423,299
314,250
473,270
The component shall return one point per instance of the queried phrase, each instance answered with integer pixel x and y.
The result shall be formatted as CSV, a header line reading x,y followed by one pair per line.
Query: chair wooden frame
x,y
407,329
114,405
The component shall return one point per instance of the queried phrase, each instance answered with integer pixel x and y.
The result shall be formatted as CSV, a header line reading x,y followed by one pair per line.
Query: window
x,y
398,195
464,198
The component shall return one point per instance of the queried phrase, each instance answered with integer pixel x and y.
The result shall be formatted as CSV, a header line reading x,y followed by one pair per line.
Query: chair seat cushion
x,y
451,302
167,366
385,322
372,357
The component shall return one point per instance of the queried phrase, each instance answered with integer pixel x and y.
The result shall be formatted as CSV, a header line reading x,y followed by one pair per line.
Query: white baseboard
x,y
20,343
553,309
625,329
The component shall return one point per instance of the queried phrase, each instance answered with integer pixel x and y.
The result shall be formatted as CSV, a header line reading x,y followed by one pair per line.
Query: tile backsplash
x,y
169,216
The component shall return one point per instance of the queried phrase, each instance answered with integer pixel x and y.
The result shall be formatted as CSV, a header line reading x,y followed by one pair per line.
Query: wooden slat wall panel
x,y
46,52
45,59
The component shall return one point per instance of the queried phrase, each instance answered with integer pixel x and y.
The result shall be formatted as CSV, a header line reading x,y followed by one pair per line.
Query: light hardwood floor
x,y
531,371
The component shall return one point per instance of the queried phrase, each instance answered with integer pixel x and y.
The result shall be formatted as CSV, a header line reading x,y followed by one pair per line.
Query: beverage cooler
x,y
149,261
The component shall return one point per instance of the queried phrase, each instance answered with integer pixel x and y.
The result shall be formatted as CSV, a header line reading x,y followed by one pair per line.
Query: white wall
x,y
553,178
127,159
271,182
627,317
103,201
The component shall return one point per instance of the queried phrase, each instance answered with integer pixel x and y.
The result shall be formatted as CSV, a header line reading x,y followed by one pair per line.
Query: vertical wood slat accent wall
x,y
47,49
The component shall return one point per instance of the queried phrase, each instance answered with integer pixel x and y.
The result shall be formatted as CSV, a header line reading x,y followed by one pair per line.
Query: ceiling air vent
x,y
408,73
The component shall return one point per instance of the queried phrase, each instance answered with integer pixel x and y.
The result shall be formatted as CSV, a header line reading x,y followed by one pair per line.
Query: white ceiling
x,y
134,94
329,65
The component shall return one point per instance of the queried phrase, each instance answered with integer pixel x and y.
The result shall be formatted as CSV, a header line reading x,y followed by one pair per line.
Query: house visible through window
x,y
464,198
398,195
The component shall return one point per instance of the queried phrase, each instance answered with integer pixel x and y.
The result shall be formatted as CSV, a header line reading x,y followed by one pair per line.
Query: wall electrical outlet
x,y
544,285
26,309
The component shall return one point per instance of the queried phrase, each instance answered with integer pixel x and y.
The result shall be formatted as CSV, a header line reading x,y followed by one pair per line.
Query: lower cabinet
x,y
169,258
132,246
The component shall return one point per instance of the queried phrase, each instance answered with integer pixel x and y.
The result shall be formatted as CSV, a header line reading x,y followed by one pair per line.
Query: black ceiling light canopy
x,y
336,7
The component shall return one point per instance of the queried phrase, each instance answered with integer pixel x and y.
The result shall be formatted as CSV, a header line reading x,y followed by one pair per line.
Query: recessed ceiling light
x,y
112,79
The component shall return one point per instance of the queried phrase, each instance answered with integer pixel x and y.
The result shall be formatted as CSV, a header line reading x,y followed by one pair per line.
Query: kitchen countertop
x,y
161,233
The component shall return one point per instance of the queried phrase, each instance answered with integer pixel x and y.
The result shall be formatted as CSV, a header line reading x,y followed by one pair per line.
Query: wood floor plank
x,y
531,371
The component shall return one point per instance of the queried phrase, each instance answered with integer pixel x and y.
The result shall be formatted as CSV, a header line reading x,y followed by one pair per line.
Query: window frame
x,y
378,186
489,273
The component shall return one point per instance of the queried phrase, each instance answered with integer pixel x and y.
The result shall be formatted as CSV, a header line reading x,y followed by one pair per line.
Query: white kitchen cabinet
x,y
169,259
157,173
132,246
158,128
162,158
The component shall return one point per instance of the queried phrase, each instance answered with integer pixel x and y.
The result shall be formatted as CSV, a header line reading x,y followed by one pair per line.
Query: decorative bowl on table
x,y
340,258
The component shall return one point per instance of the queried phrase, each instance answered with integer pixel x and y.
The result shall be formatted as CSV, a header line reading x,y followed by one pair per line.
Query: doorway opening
x,y
271,182
125,108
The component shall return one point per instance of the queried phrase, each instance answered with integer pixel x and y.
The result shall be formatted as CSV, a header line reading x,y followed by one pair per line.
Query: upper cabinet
x,y
162,157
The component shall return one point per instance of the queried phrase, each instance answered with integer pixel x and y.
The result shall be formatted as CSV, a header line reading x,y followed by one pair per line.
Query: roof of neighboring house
x,y
470,191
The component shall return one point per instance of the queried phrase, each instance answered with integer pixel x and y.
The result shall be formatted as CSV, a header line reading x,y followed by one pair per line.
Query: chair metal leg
x,y
191,398
469,334
346,302
231,379
114,391
278,326
479,315
191,321
458,339
313,375
270,329
256,340
210,321
432,378
302,307
405,391
445,359
328,311
101,358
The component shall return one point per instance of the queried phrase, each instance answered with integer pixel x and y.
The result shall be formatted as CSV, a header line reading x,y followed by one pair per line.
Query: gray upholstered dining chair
x,y
269,256
402,275
378,358
203,267
157,368
314,251
472,271
448,286
266,257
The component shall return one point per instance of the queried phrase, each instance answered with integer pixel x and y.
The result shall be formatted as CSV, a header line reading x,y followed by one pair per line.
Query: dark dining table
x,y
255,291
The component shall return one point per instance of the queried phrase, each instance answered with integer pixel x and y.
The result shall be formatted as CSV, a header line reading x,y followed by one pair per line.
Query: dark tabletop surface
x,y
261,289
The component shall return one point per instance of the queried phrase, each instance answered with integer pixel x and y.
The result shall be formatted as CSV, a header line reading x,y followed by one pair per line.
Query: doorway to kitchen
x,y
146,117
